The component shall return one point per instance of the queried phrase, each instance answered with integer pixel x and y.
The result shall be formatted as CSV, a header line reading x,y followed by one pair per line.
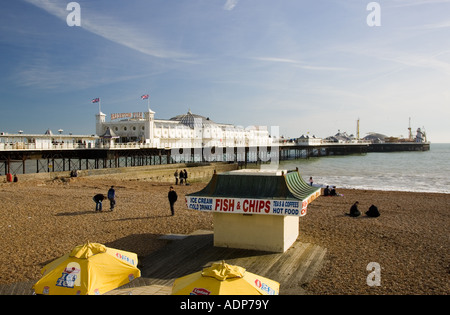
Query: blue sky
x,y
304,65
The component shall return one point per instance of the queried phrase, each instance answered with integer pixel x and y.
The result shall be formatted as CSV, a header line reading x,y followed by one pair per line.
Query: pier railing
x,y
322,142
74,146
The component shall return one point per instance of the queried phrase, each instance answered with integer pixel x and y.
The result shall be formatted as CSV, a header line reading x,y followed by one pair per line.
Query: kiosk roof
x,y
289,185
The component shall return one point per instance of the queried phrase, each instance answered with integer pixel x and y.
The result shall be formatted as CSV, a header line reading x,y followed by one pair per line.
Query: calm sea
x,y
402,171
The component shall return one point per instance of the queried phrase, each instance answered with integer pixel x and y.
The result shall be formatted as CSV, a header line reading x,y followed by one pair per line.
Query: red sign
x,y
200,291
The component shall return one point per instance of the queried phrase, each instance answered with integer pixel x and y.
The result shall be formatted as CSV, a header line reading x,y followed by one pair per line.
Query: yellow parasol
x,y
224,279
90,268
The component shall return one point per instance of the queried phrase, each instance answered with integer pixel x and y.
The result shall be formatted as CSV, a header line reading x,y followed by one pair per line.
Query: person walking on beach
x,y
112,198
98,201
172,199
185,177
176,177
181,177
311,181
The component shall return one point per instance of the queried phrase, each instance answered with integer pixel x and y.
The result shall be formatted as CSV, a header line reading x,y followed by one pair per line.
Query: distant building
x,y
375,137
420,136
380,138
340,137
309,140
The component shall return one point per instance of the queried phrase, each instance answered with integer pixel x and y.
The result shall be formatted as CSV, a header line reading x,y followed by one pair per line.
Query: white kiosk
x,y
256,210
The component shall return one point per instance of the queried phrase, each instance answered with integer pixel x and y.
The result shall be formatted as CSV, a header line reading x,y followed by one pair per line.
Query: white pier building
x,y
183,131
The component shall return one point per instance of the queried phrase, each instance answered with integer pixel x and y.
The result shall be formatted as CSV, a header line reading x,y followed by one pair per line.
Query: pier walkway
x,y
19,158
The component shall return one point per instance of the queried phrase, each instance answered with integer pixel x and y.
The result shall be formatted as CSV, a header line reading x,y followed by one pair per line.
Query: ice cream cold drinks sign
x,y
249,206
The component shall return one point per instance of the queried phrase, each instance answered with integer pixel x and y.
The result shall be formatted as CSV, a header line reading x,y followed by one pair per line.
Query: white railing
x,y
43,146
72,146
159,145
76,146
321,142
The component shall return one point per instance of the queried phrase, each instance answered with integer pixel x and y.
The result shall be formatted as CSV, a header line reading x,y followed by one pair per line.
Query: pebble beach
x,y
43,220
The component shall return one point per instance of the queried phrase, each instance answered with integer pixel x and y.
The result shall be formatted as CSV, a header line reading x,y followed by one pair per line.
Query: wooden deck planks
x,y
291,269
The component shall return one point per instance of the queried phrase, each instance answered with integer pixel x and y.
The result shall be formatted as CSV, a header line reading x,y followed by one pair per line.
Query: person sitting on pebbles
x,y
354,211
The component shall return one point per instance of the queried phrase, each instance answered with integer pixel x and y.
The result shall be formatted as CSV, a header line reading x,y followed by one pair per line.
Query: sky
x,y
307,66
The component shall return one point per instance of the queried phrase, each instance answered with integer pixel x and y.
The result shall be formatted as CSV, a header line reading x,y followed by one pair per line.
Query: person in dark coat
x,y
373,212
185,177
354,211
98,201
333,191
181,177
172,199
176,177
112,198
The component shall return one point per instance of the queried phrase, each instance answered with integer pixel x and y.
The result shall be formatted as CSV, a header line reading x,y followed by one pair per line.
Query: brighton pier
x,y
142,140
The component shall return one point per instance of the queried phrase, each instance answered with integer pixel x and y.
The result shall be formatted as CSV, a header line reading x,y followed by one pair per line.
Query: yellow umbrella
x,y
224,279
90,268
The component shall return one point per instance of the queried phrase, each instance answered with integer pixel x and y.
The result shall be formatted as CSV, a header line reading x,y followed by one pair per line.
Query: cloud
x,y
300,64
40,73
114,31
230,4
445,24
410,3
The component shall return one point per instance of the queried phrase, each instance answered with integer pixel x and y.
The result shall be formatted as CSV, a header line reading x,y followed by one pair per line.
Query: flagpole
x,y
99,105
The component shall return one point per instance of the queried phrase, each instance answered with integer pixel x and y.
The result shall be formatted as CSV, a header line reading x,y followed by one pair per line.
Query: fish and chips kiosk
x,y
256,210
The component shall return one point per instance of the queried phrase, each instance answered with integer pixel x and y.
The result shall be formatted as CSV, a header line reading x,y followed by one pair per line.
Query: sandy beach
x,y
43,220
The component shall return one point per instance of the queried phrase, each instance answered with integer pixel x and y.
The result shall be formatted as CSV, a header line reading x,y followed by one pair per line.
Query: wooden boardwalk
x,y
292,269
184,255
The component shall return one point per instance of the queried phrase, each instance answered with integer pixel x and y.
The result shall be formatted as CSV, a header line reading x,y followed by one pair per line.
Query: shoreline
x,y
43,220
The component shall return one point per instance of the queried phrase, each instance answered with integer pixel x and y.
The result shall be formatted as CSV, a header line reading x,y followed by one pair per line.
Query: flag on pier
x,y
146,97
96,100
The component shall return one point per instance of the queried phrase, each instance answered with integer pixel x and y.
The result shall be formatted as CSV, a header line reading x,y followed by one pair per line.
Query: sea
x,y
417,171
424,171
